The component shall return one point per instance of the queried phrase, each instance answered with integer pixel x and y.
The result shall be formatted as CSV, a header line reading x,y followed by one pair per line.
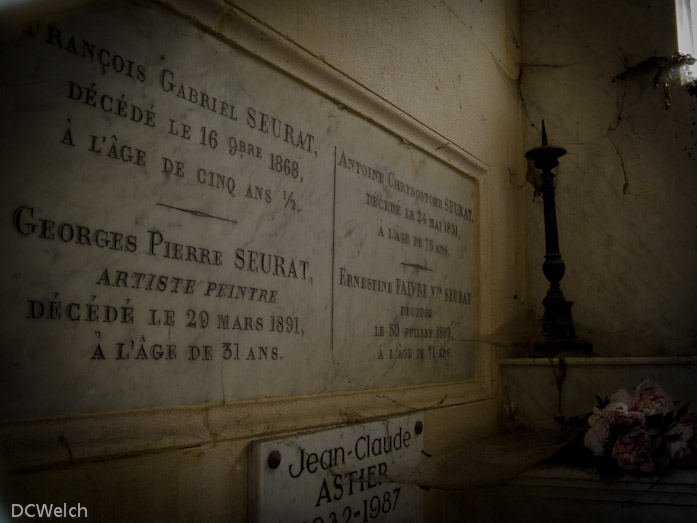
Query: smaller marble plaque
x,y
351,474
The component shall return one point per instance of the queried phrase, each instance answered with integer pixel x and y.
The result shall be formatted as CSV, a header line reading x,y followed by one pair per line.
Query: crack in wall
x,y
66,445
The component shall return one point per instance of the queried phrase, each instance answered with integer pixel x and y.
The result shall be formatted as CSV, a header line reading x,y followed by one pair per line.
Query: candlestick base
x,y
558,330
557,347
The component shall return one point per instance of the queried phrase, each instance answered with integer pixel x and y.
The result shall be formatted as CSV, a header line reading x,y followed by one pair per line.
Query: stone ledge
x,y
604,361
531,392
46,442
676,487
558,493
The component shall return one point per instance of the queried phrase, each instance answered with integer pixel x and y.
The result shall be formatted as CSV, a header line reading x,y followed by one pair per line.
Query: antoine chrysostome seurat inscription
x,y
185,224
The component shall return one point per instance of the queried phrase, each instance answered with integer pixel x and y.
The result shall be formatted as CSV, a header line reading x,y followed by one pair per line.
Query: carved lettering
x,y
196,221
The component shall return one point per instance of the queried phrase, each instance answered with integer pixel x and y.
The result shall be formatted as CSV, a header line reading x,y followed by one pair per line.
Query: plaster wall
x,y
626,188
448,69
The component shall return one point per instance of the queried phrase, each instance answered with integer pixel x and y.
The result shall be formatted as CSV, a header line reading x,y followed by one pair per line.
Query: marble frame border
x,y
33,444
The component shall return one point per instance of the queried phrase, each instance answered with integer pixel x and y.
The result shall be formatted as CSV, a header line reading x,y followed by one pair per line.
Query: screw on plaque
x,y
274,459
419,427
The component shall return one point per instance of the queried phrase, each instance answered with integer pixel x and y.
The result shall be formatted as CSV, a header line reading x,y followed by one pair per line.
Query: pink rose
x,y
597,436
681,439
616,412
619,413
633,451
621,396
651,399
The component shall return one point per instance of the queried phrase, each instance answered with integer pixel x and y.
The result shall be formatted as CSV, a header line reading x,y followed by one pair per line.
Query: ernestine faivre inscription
x,y
182,220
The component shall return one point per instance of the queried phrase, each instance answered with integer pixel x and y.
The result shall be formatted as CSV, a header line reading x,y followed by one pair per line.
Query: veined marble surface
x,y
185,224
352,473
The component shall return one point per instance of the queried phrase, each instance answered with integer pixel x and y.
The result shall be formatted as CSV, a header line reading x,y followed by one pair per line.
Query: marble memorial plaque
x,y
354,474
182,221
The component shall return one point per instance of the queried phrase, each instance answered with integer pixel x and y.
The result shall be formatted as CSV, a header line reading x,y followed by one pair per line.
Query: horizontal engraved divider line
x,y
238,28
196,213
417,266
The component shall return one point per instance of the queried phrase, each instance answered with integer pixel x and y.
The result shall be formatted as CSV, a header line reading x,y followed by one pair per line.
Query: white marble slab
x,y
351,474
184,224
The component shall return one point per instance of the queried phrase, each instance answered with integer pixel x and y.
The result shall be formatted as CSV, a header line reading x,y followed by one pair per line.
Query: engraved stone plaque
x,y
353,474
182,221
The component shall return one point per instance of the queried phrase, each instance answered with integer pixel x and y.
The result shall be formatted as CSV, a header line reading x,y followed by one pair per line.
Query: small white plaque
x,y
357,474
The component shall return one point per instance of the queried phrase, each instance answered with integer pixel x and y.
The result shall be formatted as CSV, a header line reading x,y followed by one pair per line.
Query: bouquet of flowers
x,y
643,432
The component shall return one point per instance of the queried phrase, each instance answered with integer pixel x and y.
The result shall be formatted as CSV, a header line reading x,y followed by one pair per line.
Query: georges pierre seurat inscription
x,y
182,223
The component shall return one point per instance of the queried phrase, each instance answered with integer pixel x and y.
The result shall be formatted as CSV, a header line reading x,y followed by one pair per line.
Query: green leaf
x,y
602,403
682,411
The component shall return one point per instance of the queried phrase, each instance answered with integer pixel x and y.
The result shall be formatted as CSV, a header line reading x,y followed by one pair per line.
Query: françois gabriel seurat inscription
x,y
184,224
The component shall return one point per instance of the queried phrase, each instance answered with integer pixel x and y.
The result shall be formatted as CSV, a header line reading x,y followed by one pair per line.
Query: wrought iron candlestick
x,y
557,325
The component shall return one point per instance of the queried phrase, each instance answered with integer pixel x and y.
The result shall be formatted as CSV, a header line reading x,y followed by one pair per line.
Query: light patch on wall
x,y
686,17
11,3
